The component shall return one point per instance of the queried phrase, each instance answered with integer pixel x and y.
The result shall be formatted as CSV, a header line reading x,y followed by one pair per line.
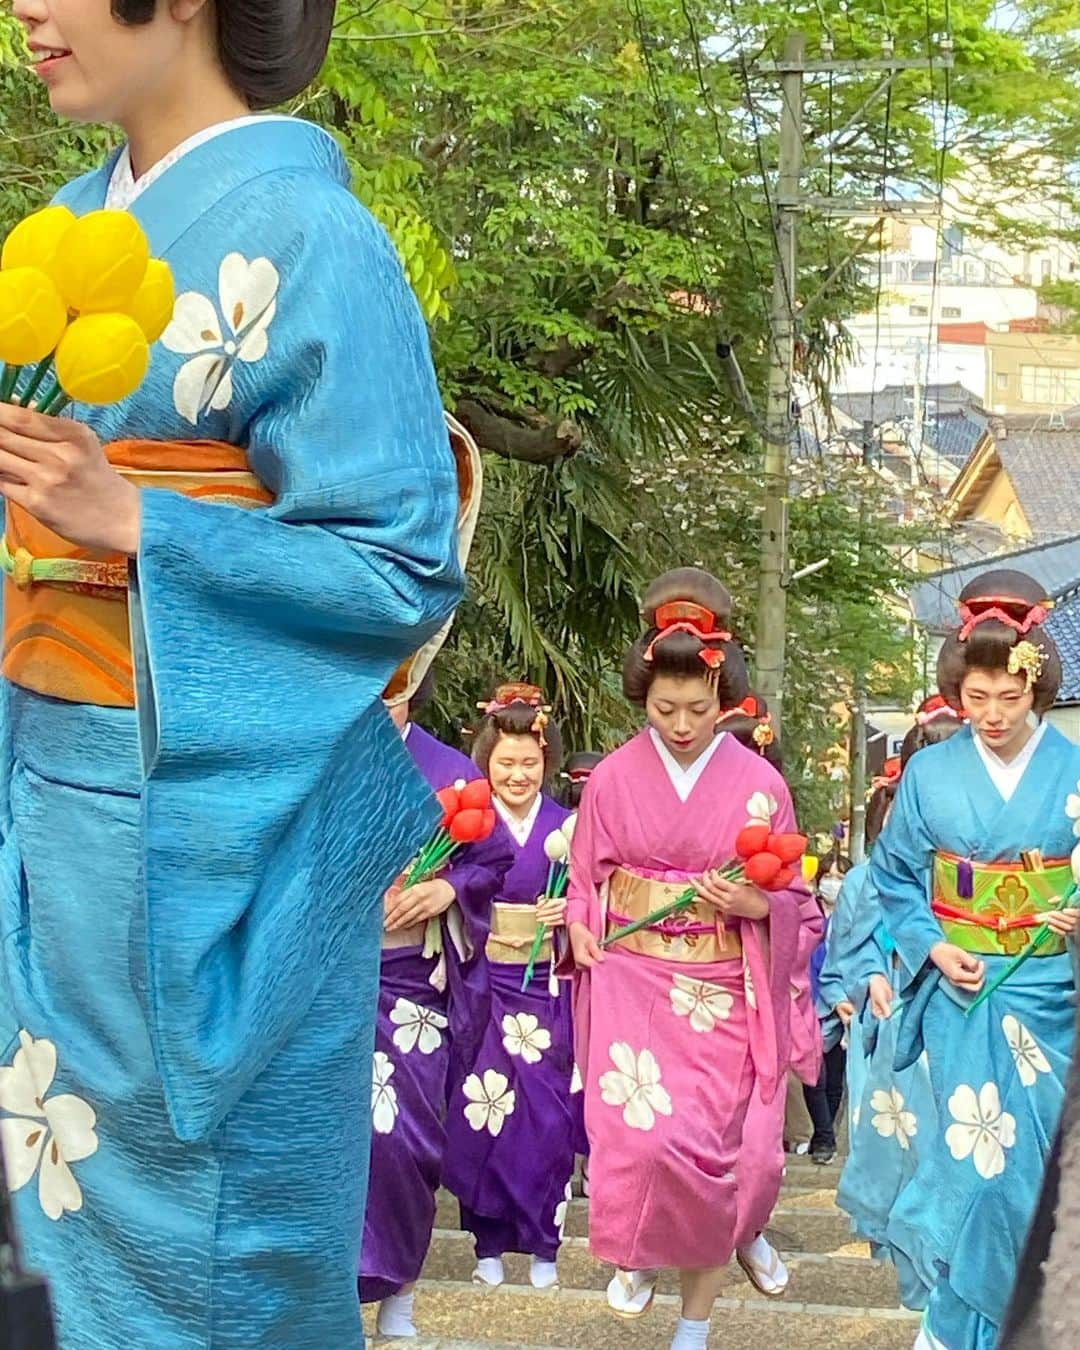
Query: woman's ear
x,y
183,11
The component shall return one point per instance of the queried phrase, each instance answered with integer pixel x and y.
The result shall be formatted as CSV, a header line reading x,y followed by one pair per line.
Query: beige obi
x,y
513,928
413,936
632,897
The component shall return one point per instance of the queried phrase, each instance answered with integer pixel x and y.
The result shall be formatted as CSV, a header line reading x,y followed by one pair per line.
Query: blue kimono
x,y
191,892
997,1076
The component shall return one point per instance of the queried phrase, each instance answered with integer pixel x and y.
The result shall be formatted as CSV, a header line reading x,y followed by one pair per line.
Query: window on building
x,y
950,311
1041,384
1001,380
918,311
1047,270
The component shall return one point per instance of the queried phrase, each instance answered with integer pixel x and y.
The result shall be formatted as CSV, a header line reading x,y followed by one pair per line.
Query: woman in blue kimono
x,y
975,856
891,1111
195,852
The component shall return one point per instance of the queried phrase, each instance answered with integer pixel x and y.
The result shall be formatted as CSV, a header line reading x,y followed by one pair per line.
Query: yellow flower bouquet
x,y
81,303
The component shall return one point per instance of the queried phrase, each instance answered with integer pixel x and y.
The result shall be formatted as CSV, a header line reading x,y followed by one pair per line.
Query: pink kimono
x,y
683,1024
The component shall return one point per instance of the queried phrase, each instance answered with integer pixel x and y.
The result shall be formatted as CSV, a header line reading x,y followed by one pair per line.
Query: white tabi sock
x,y
691,1335
489,1270
542,1274
396,1316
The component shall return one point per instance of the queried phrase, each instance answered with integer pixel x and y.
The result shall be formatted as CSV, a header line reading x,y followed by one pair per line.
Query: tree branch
x,y
542,443
554,362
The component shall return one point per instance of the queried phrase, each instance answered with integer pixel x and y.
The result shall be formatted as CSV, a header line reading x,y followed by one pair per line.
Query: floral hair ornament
x,y
1027,659
529,696
764,735
686,616
748,708
983,607
935,708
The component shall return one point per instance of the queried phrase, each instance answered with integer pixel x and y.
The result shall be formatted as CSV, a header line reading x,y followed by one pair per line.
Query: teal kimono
x,y
191,890
998,1076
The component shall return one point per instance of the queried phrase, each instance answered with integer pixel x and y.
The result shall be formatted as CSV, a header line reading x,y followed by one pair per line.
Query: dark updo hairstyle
x,y
936,720
749,722
686,595
576,773
999,610
270,50
518,710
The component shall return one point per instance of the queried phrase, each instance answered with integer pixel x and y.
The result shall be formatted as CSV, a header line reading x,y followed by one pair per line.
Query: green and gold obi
x,y
995,909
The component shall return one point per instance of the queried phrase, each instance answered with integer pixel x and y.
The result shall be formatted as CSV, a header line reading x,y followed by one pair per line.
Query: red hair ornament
x,y
686,616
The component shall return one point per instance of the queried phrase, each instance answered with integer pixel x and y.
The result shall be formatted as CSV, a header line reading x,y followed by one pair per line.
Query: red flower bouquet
x,y
468,818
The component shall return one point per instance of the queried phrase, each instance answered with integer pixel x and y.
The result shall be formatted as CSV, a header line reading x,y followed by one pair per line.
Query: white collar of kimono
x,y
520,828
1006,777
405,730
124,187
684,780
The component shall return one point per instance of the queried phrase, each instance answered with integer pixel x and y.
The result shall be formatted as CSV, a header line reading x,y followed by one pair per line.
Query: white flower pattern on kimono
x,y
705,1004
983,1131
761,808
52,1132
490,1101
562,1209
634,1084
247,293
1028,1057
749,990
892,1121
418,1028
523,1035
1072,809
384,1103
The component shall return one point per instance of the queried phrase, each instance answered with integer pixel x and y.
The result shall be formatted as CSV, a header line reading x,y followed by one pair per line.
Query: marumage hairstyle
x,y
753,729
686,655
576,773
927,731
999,610
270,50
519,717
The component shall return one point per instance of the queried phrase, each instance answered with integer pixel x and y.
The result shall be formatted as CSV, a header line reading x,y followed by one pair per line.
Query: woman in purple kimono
x,y
510,1153
432,989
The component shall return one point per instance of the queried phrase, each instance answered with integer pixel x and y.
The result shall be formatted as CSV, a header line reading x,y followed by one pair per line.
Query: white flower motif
x,y
748,987
761,808
1072,809
983,1130
892,1121
1030,1060
705,1004
247,292
562,1209
523,1035
384,1104
634,1084
576,1084
417,1027
490,1101
50,1131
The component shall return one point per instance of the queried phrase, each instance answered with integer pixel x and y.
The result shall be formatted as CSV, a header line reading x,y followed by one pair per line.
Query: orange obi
x,y
66,607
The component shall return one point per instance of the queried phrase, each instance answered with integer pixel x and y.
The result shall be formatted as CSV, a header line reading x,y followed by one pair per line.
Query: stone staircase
x,y
839,1297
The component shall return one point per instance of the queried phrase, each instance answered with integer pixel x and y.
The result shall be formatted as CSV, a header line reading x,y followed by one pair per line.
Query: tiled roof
x,y
1055,565
1043,466
895,401
1063,626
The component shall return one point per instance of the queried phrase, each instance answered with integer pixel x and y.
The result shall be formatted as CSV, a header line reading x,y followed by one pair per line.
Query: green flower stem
x,y
40,371
51,394
1069,900
678,906
8,381
534,955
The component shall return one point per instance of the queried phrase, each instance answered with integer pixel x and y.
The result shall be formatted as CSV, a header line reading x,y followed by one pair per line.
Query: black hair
x,y
270,50
519,718
581,762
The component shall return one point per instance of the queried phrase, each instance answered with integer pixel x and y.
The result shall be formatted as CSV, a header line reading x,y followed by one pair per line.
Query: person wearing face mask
x,y
202,813
973,860
510,1124
681,1023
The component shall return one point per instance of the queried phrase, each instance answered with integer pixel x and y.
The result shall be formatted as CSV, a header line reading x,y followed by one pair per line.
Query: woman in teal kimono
x,y
193,865
975,855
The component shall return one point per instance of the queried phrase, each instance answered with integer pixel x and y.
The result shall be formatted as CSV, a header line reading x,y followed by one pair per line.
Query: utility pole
x,y
771,636
789,203
859,712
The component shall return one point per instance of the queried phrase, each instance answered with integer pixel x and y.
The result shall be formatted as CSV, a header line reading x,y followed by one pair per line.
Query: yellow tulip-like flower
x,y
35,241
32,316
154,301
810,866
102,261
102,358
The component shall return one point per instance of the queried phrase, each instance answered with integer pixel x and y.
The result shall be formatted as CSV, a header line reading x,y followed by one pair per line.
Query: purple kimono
x,y
432,1011
510,1128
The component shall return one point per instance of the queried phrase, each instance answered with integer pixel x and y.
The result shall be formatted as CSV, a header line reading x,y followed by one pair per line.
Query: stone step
x,y
806,1224
855,1282
453,1314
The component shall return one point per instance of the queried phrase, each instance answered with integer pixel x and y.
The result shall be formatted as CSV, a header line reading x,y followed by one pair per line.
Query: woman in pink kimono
x,y
679,1025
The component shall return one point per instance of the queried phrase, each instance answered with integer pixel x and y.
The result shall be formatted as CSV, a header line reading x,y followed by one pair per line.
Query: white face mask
x,y
829,889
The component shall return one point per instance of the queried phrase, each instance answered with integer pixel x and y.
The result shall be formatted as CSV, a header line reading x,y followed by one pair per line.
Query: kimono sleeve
x,y
899,872
592,859
279,802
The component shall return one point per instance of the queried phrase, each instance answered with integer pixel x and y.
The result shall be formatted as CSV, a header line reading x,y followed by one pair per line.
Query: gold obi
x,y
632,897
66,607
513,928
1002,905
413,936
